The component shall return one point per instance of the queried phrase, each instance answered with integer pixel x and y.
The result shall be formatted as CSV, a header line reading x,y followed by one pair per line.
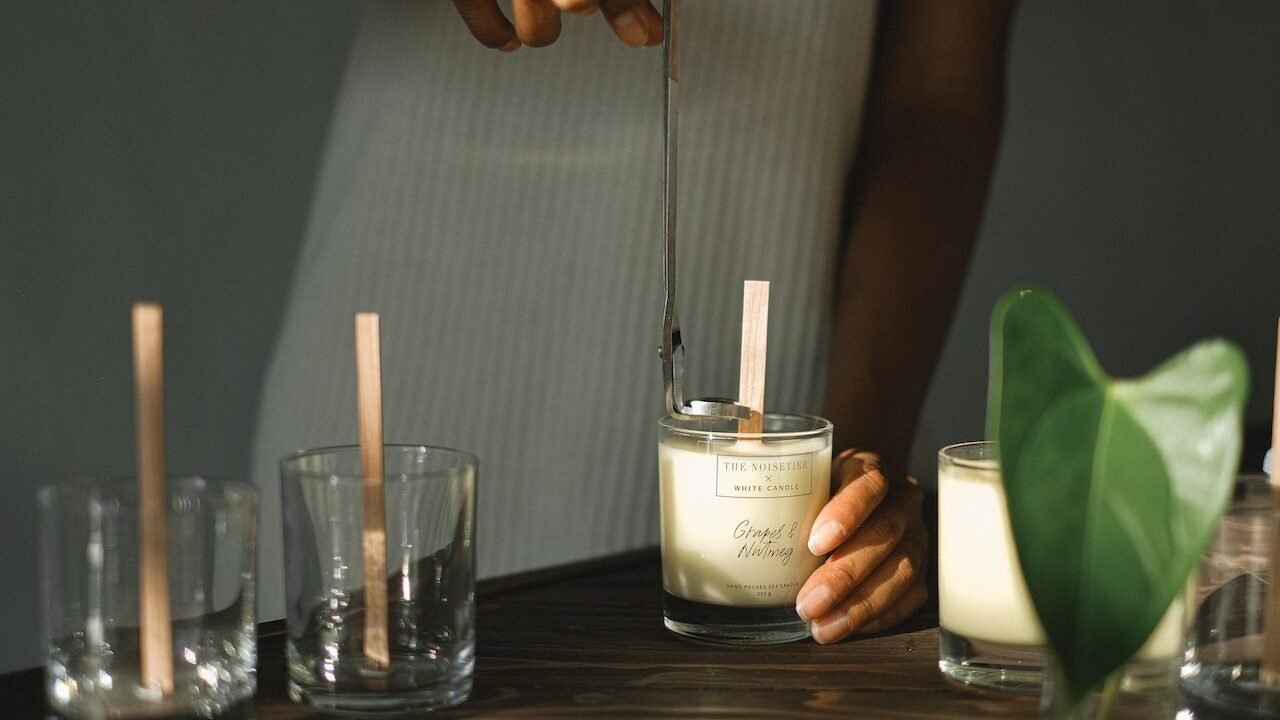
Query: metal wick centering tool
x,y
672,350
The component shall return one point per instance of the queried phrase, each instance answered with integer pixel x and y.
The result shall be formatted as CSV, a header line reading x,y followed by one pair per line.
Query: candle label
x,y
735,523
748,476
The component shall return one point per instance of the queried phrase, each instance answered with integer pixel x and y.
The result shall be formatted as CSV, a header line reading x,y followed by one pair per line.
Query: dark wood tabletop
x,y
587,641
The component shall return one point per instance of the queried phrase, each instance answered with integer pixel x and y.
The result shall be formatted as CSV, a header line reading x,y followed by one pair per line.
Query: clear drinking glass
x,y
1146,689
736,513
89,557
430,514
1220,675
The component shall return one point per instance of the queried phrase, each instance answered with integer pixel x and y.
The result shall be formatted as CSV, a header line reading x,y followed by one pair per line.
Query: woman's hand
x,y
635,22
873,528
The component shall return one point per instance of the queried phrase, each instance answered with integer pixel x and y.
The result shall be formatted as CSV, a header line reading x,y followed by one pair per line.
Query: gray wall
x,y
167,150
1138,178
157,150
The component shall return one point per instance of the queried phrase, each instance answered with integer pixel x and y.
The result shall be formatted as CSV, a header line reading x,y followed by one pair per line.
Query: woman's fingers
x,y
851,564
901,610
537,22
578,7
853,561
487,23
861,488
635,22
887,585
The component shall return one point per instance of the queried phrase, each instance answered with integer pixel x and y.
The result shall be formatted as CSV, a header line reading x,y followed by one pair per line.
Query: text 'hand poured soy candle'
x,y
738,499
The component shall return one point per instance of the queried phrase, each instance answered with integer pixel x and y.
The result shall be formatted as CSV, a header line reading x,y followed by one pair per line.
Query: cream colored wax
x,y
981,592
736,517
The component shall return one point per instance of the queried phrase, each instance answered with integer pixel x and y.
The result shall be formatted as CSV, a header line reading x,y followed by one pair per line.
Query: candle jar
x,y
736,510
989,637
430,516
89,567
1220,677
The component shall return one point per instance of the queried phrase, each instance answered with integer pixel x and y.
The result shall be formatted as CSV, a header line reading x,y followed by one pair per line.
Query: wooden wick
x,y
1270,670
369,400
755,343
156,633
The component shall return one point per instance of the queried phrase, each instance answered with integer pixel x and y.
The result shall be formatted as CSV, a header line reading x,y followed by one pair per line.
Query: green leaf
x,y
1113,486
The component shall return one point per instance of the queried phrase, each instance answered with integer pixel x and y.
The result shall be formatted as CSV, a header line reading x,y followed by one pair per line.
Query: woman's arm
x,y
916,197
918,190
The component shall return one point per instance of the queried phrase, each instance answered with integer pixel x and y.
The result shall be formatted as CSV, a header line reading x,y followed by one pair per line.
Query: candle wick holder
x,y
672,349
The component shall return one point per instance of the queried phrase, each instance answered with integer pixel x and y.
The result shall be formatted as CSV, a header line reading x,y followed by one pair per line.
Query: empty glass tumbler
x,y
1220,677
430,583
89,565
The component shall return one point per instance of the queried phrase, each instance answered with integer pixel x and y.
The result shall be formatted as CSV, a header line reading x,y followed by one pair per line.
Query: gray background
x,y
168,150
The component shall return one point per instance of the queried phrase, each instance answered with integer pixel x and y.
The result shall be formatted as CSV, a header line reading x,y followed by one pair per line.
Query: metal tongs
x,y
672,350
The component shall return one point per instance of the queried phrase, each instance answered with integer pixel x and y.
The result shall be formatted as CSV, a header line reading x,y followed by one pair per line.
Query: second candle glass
x,y
736,513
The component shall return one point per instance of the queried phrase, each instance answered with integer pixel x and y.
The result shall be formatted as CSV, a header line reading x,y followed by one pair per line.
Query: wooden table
x,y
587,641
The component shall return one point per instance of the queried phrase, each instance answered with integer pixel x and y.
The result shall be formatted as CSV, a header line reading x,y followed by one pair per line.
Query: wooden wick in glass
x,y
369,401
755,343
156,634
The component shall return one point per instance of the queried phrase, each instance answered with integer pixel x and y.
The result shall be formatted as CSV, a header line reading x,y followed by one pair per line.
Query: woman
x,y
503,214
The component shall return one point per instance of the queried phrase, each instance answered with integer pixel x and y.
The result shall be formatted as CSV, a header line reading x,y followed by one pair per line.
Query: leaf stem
x,y
1108,696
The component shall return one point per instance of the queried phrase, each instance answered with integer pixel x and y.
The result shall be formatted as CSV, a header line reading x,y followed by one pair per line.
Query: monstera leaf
x,y
1113,486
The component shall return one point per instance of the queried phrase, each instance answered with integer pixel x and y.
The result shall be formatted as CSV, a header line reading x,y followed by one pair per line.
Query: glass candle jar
x,y
989,635
736,513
